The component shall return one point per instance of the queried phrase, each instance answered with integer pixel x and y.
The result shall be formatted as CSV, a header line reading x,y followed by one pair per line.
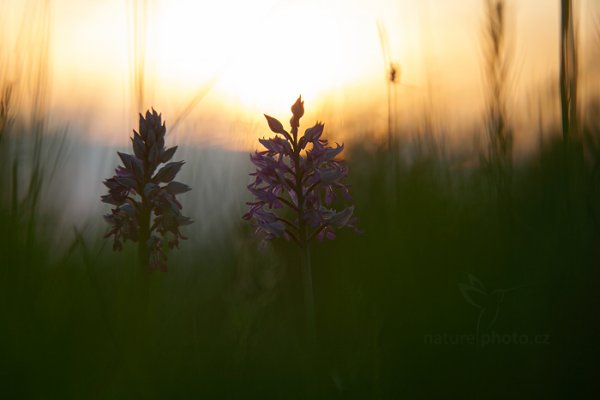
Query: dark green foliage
x,y
227,322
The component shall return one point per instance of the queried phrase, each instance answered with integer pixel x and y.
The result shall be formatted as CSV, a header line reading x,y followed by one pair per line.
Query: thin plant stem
x,y
568,71
143,251
311,332
389,96
309,298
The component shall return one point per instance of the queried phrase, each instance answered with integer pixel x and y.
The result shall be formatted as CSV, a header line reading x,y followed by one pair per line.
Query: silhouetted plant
x,y
497,58
137,194
24,92
568,83
568,70
6,112
140,18
305,184
296,183
392,72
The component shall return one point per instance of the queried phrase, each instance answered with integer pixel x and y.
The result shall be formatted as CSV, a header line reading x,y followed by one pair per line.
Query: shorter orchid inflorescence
x,y
297,182
146,210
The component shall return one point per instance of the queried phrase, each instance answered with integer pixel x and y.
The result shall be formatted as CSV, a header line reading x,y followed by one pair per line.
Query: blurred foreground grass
x,y
226,320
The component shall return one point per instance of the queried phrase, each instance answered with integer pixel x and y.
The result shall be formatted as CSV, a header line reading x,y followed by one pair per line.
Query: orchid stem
x,y
287,203
309,296
143,251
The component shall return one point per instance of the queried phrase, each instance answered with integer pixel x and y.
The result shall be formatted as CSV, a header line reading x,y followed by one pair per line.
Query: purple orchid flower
x,y
296,183
146,210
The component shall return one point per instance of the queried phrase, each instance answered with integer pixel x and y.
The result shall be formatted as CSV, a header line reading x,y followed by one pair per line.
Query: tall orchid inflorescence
x,y
146,210
296,183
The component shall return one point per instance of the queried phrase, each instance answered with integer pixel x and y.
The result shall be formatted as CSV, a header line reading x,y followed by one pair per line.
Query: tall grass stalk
x,y
497,59
37,81
138,11
568,83
392,72
25,88
568,71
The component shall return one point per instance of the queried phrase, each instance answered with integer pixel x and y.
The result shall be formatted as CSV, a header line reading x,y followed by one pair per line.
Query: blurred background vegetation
x,y
79,321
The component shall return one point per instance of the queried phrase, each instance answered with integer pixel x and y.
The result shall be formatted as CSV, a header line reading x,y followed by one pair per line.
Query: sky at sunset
x,y
241,59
